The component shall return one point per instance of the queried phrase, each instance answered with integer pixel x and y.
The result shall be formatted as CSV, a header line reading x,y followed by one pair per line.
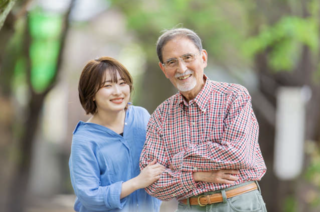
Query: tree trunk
x,y
155,87
18,188
19,182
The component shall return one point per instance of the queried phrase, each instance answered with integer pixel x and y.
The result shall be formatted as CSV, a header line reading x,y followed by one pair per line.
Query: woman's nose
x,y
116,89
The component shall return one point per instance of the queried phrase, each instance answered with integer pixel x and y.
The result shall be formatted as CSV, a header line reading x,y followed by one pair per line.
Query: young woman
x,y
105,152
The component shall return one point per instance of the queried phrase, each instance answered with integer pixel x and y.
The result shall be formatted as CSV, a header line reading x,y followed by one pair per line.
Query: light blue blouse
x,y
101,160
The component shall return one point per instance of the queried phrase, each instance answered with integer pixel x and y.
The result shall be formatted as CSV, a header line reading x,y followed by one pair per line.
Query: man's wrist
x,y
197,176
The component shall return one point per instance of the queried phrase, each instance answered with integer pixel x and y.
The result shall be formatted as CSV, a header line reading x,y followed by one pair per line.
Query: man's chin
x,y
185,88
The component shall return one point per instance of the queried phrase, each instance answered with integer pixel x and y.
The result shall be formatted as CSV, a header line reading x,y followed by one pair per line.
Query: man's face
x,y
183,65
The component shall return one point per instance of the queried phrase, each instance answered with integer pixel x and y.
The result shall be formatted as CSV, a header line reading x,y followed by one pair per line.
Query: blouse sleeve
x,y
85,178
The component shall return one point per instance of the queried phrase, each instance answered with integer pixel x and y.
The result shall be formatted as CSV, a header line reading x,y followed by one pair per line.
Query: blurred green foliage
x,y
45,30
229,33
285,38
221,24
312,174
290,204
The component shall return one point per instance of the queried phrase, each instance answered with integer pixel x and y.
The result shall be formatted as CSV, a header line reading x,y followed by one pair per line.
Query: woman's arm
x,y
85,178
148,175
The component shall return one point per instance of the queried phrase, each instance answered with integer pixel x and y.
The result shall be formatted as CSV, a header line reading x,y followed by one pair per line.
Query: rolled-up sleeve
x,y
85,178
172,183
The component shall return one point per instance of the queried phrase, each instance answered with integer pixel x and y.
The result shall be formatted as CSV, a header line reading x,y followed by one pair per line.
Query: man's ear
x,y
163,69
204,57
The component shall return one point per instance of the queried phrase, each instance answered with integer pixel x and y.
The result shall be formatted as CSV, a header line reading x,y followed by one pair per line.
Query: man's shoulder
x,y
168,102
164,108
226,88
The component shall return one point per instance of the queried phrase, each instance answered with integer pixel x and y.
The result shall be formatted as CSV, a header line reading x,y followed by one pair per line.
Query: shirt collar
x,y
201,99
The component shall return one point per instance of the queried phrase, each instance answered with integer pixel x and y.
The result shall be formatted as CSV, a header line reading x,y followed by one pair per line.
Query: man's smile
x,y
184,77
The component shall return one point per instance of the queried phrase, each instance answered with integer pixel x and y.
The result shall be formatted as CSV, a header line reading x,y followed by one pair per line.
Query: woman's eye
x,y
123,83
107,86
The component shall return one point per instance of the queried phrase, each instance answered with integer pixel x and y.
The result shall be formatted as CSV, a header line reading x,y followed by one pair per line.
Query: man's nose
x,y
182,67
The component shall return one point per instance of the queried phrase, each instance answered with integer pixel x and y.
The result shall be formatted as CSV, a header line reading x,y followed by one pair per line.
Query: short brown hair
x,y
93,76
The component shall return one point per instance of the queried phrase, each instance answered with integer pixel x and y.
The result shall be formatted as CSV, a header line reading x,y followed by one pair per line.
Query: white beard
x,y
183,87
187,87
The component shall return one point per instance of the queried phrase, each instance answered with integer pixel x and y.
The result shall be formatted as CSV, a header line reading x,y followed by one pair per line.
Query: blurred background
x,y
269,46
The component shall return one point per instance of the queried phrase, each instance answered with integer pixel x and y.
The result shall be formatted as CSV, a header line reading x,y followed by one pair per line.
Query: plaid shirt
x,y
216,130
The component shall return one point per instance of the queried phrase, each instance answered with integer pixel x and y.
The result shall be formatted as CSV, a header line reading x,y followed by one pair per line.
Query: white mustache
x,y
184,74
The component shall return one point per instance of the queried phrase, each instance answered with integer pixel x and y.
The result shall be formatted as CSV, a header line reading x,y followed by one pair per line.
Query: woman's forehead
x,y
113,74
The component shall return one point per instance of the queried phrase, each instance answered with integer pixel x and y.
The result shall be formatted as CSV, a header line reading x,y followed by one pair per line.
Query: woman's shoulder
x,y
85,133
138,110
82,128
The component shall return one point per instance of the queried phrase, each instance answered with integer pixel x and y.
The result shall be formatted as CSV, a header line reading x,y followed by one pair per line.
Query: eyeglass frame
x,y
181,58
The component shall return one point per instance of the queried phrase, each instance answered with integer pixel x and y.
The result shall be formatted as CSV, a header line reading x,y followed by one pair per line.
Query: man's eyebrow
x,y
174,58
187,54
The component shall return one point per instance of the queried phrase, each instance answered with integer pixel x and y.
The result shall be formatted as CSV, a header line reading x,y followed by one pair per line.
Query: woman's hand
x,y
149,174
217,176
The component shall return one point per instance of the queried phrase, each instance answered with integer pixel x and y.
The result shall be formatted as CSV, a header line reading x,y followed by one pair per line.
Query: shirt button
x,y
193,123
173,195
137,205
195,168
125,123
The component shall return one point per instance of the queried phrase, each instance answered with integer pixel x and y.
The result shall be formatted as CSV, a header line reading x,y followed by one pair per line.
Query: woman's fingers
x,y
153,162
156,166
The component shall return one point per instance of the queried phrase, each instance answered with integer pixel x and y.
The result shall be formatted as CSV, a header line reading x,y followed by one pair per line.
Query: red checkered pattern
x,y
216,130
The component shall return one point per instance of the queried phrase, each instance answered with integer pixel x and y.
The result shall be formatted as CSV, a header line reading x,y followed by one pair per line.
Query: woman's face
x,y
112,96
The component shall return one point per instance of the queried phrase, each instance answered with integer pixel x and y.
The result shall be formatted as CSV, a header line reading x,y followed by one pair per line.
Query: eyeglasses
x,y
174,62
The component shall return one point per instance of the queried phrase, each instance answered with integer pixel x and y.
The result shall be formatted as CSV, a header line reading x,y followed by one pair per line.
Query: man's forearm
x,y
172,184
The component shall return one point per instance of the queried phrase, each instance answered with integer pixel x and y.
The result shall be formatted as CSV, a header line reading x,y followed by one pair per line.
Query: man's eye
x,y
188,58
171,63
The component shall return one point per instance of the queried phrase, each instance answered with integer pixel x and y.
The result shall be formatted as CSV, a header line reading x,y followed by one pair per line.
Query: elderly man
x,y
206,135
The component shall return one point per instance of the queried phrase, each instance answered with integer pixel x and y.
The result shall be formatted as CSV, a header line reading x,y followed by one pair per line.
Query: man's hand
x,y
218,176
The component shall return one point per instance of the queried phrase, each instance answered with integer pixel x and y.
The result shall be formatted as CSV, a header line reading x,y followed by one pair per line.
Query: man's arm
x,y
235,150
175,183
171,184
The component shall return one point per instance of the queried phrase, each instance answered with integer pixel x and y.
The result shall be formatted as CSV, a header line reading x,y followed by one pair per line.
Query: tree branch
x,y
5,11
64,32
26,52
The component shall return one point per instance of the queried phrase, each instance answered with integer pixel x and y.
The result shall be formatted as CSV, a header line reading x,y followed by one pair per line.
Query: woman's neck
x,y
113,121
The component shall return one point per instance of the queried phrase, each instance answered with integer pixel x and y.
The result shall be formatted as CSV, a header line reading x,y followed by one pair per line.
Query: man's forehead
x,y
177,47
